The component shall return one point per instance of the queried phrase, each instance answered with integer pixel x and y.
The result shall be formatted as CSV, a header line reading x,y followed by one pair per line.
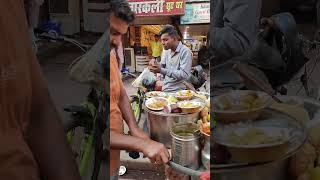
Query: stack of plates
x,y
141,63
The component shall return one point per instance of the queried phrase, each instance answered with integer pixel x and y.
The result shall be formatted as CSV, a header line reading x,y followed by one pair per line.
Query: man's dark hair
x,y
122,10
170,30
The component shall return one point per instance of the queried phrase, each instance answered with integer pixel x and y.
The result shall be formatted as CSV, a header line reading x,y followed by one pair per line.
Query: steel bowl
x,y
233,116
198,106
184,98
258,152
275,171
160,123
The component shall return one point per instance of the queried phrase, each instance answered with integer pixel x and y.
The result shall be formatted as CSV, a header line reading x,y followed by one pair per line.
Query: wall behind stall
x,y
131,36
142,37
146,38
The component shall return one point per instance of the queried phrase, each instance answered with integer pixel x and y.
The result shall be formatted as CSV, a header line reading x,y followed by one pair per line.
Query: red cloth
x,y
205,176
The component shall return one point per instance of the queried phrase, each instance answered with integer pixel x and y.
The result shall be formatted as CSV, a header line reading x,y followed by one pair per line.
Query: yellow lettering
x,y
179,5
170,6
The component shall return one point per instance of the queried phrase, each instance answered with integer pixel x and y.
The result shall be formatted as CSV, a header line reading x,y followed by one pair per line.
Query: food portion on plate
x,y
240,105
202,95
156,103
252,144
190,106
252,136
178,102
246,101
172,99
156,94
184,95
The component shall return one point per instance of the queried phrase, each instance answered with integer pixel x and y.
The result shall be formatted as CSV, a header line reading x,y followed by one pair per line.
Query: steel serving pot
x,y
160,123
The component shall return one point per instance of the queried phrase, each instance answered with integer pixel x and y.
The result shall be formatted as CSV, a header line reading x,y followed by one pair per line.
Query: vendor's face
x,y
118,27
167,41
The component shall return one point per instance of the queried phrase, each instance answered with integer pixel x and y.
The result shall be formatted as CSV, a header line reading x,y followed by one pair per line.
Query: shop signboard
x,y
157,7
196,13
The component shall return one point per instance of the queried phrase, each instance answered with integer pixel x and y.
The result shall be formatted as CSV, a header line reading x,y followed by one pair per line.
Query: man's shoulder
x,y
184,48
113,59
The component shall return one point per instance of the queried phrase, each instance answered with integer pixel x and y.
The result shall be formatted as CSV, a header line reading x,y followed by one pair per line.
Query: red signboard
x,y
157,7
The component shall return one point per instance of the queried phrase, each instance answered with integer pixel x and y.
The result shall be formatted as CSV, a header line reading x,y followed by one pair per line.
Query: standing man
x,y
176,61
32,139
156,48
120,108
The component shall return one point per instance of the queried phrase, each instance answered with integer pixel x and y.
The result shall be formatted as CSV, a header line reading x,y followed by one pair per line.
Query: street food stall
x,y
259,139
181,121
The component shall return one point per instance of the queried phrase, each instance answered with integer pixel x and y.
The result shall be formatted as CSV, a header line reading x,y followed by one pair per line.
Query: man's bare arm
x,y
155,151
127,142
46,136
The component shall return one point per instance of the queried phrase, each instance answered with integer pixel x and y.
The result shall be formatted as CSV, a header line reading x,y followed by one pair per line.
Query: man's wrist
x,y
140,146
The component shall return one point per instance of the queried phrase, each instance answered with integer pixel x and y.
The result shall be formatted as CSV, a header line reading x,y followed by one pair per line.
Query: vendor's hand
x,y
156,152
267,22
152,62
139,133
155,69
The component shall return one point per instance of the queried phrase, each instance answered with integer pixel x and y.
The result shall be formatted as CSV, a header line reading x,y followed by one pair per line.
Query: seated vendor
x,y
176,61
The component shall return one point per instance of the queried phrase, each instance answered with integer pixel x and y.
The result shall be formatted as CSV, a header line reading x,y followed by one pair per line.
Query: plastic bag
x,y
146,79
88,69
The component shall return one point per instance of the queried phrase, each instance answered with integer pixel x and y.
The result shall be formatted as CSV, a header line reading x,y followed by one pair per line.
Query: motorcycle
x,y
273,59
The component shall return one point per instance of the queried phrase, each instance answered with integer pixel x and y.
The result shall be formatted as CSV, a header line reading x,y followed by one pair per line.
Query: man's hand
x,y
154,66
155,69
152,62
156,152
267,22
